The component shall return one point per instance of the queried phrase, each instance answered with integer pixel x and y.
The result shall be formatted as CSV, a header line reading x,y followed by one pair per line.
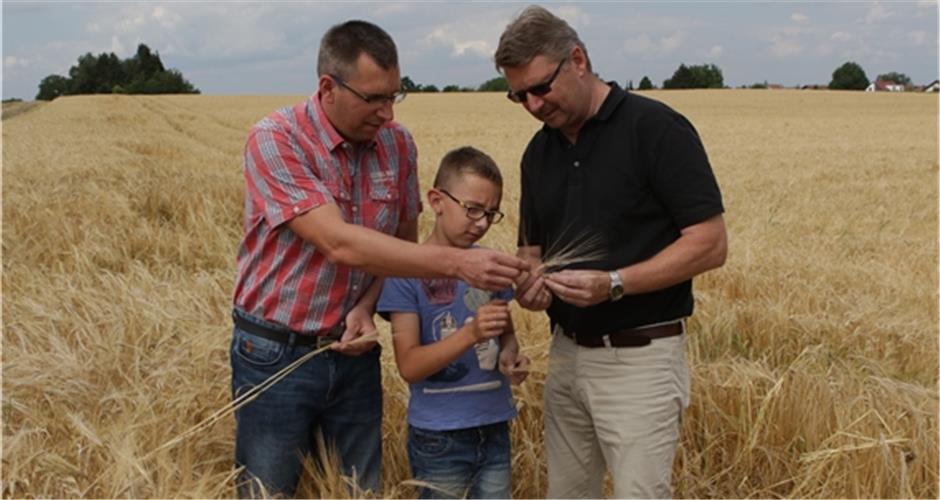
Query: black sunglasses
x,y
476,213
541,89
395,98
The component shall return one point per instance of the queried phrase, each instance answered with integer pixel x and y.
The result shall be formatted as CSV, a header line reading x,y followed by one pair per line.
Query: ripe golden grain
x,y
814,350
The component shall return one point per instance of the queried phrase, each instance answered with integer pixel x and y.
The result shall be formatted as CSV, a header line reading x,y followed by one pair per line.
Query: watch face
x,y
616,292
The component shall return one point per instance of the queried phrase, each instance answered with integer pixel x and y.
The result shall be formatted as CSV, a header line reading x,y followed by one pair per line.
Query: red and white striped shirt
x,y
295,161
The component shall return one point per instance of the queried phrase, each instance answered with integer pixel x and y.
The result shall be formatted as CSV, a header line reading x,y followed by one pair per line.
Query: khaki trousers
x,y
614,408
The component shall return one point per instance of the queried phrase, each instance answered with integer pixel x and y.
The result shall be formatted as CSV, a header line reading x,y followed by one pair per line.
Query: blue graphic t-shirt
x,y
470,391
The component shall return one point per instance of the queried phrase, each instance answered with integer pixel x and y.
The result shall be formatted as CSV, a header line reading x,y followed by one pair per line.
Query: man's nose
x,y
386,112
533,102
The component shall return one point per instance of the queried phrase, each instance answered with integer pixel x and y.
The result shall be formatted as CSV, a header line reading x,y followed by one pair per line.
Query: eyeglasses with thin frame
x,y
541,89
395,98
476,213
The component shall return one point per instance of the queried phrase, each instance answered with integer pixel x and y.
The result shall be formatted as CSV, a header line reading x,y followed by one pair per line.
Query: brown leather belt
x,y
631,337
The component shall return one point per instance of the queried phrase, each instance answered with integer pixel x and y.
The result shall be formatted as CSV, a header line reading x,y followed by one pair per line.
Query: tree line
x,y
144,73
105,73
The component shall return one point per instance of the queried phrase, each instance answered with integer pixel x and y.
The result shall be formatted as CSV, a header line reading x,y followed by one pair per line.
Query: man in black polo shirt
x,y
631,170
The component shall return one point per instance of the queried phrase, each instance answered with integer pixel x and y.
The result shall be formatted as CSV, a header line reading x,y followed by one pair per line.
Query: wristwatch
x,y
616,286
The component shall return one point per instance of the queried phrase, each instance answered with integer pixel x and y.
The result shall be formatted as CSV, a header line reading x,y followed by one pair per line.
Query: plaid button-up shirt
x,y
295,161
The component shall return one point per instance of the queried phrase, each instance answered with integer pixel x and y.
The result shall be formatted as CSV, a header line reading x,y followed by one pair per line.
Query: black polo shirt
x,y
637,175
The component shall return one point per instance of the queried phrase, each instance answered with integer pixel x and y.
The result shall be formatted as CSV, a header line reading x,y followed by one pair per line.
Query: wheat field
x,y
814,350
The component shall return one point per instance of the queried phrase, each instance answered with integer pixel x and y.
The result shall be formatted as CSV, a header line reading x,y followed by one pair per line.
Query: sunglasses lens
x,y
541,90
516,96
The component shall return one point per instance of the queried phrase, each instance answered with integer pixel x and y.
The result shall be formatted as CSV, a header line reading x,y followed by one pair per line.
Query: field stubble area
x,y
814,349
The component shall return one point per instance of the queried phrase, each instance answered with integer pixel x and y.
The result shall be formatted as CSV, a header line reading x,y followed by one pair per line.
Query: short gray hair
x,y
342,44
536,31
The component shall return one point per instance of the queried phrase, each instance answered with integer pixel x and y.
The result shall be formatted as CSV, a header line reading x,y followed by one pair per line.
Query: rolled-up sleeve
x,y
280,179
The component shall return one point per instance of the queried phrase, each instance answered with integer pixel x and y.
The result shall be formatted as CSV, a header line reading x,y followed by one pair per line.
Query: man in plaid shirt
x,y
331,205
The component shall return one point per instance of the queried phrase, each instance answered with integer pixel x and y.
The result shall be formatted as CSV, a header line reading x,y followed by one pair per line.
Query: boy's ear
x,y
436,200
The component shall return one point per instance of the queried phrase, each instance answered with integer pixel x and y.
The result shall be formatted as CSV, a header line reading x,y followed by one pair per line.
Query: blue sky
x,y
252,48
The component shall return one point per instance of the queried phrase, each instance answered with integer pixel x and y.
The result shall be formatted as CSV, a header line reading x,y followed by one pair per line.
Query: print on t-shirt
x,y
444,326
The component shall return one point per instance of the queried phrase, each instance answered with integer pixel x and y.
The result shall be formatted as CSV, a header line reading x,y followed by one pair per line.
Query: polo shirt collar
x,y
611,102
330,136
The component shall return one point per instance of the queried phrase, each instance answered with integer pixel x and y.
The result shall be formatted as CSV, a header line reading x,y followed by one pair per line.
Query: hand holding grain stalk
x,y
253,393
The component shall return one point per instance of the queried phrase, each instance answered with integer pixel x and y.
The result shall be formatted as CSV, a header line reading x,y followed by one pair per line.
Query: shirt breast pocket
x,y
383,206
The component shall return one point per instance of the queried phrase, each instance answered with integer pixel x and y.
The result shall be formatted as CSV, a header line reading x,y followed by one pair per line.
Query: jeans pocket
x,y
255,350
429,444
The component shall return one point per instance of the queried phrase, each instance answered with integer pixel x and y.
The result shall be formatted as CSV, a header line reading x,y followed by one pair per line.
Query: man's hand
x,y
581,288
358,324
491,320
531,292
488,269
514,365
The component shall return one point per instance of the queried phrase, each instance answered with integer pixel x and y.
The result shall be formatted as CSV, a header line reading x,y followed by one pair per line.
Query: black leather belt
x,y
631,337
282,335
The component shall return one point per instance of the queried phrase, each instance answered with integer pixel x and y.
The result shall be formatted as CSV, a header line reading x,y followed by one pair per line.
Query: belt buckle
x,y
323,341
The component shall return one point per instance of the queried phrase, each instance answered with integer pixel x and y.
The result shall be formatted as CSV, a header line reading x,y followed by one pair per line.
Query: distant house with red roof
x,y
884,86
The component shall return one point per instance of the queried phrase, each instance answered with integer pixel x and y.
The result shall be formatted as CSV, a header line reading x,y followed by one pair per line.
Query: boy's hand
x,y
514,365
491,320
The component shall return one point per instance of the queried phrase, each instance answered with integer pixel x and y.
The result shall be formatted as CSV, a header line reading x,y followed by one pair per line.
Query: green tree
x,y
645,84
408,85
899,78
429,88
849,76
106,73
704,76
51,87
497,84
451,88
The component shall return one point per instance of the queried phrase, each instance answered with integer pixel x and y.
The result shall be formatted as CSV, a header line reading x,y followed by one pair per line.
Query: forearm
x,y
371,297
698,250
419,362
373,251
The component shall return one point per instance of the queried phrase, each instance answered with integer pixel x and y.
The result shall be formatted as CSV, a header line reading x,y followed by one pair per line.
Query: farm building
x,y
884,86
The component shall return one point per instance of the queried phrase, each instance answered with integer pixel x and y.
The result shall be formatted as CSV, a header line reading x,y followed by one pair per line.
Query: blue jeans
x,y
336,395
464,463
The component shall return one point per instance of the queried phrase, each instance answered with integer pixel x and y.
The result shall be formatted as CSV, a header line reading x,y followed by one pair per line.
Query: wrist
x,y
616,289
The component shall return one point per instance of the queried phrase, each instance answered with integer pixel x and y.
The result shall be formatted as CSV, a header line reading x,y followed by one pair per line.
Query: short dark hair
x,y
342,44
467,160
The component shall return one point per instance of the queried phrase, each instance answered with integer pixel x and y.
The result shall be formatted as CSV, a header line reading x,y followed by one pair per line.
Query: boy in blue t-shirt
x,y
450,339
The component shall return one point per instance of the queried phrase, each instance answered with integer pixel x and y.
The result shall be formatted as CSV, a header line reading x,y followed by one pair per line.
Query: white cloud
x,y
116,46
877,13
638,45
445,35
130,24
168,19
644,46
787,47
799,17
841,36
11,62
575,16
917,38
715,52
672,42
